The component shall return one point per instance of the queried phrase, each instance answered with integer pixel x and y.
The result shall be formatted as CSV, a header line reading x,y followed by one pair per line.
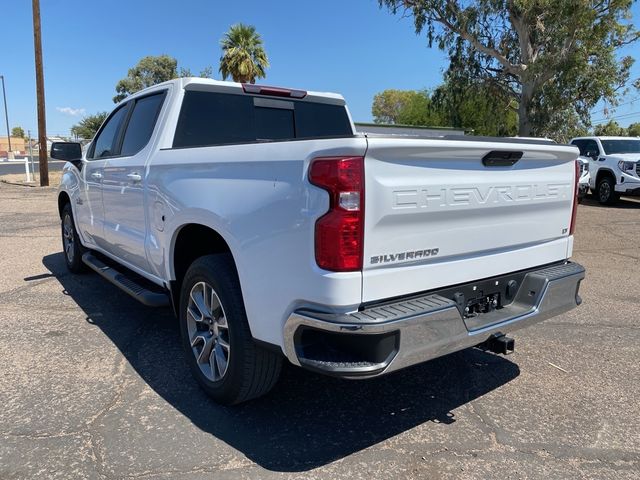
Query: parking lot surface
x,y
95,385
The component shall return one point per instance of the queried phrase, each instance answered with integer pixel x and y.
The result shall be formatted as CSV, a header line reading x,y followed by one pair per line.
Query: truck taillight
x,y
574,211
339,232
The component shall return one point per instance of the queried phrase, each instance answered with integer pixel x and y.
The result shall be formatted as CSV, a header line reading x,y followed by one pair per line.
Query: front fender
x,y
70,182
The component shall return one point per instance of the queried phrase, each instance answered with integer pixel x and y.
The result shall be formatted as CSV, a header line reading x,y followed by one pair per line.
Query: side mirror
x,y
69,151
592,155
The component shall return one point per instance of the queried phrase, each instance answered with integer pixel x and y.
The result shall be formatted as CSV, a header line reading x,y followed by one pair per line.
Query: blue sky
x,y
347,46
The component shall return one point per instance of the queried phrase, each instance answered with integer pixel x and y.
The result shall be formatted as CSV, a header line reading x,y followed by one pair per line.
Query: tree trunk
x,y
241,78
524,122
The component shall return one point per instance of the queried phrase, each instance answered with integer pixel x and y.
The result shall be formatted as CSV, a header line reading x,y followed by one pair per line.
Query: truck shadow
x,y
623,203
308,420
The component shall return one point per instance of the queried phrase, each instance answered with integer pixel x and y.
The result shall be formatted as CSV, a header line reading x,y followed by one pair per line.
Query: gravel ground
x,y
20,179
94,385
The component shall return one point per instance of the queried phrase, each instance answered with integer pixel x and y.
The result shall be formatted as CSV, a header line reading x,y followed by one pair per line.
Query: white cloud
x,y
74,112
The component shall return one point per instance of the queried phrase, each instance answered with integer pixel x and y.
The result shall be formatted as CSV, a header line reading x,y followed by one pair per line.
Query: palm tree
x,y
243,56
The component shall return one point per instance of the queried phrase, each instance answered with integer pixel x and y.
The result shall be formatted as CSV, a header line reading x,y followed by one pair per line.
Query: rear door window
x,y
211,118
141,123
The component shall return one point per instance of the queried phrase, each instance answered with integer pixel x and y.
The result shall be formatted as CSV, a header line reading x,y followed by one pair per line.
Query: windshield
x,y
620,146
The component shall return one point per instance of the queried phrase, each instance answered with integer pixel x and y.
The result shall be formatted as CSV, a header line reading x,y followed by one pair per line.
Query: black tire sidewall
x,y
219,272
76,265
612,194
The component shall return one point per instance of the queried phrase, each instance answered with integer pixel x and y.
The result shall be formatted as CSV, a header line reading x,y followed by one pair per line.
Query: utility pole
x,y
42,121
6,117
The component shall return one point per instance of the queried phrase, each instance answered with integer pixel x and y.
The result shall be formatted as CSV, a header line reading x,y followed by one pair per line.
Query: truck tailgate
x,y
436,215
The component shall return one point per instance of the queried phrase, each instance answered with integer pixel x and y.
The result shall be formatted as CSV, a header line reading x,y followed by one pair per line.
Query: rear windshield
x,y
211,118
620,146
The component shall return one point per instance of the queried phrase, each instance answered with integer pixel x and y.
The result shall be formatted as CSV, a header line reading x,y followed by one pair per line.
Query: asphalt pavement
x,y
95,385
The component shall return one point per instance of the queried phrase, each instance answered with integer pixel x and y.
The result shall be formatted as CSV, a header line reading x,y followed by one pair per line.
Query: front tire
x,y
71,246
606,191
215,334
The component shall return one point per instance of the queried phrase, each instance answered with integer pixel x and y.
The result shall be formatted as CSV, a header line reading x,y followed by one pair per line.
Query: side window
x,y
580,145
141,123
106,143
591,146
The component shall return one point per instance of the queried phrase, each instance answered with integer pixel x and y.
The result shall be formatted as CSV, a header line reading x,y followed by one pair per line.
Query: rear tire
x,y
72,249
215,334
606,191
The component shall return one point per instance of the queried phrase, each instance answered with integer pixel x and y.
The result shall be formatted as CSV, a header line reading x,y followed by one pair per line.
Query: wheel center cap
x,y
213,327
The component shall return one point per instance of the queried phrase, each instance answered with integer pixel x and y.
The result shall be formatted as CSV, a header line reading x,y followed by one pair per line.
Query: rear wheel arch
x,y
190,242
216,335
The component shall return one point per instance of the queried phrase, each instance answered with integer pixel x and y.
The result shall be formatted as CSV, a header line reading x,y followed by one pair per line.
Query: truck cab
x,y
614,166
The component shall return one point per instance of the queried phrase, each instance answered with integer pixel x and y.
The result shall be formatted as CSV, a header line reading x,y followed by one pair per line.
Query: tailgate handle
x,y
501,158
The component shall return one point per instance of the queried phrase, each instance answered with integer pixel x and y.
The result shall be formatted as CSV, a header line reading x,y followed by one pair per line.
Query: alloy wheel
x,y
208,331
604,191
68,239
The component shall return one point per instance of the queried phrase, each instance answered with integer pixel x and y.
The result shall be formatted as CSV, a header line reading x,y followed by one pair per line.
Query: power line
x,y
616,106
633,81
617,117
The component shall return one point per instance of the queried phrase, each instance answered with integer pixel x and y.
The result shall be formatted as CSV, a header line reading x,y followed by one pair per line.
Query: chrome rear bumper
x,y
410,331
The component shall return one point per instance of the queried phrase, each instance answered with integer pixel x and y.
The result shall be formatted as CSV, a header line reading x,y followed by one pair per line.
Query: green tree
x,y
206,72
17,132
633,130
243,56
89,125
610,128
388,104
554,58
474,105
153,70
149,71
403,107
456,103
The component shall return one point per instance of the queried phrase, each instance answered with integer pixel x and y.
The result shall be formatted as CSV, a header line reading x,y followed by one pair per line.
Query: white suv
x,y
614,166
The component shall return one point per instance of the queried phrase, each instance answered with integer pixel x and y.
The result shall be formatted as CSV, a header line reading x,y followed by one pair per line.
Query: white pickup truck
x,y
275,231
614,166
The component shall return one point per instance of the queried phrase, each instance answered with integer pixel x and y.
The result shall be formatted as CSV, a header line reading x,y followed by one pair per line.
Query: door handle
x,y
134,177
96,175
